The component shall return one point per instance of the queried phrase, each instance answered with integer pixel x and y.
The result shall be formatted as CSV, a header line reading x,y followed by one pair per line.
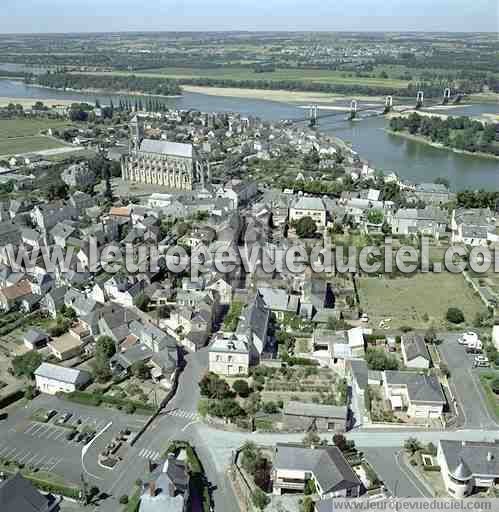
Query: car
x,y
481,361
50,414
473,350
3,416
80,437
64,417
71,435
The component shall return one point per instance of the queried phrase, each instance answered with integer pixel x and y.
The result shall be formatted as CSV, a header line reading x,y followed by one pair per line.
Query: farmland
x,y
419,301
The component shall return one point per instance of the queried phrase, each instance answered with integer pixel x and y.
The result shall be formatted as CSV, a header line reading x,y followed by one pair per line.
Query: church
x,y
160,162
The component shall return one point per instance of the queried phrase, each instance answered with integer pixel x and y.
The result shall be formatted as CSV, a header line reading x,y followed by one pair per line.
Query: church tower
x,y
136,133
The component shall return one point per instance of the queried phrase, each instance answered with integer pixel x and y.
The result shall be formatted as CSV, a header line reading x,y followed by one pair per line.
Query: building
x,y
326,467
17,494
430,221
52,379
433,193
308,207
35,339
421,396
467,467
160,162
10,233
10,296
66,346
473,226
231,354
238,191
279,301
415,352
79,176
307,417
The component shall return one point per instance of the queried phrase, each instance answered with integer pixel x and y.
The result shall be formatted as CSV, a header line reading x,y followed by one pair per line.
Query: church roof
x,y
165,147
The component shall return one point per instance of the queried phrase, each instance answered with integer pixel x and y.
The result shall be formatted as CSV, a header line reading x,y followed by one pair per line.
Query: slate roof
x,y
328,465
473,455
415,346
360,372
254,321
278,299
420,388
309,203
19,495
34,335
62,374
164,147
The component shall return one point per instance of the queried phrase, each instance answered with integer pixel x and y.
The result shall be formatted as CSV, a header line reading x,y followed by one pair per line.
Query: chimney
x,y
152,489
489,456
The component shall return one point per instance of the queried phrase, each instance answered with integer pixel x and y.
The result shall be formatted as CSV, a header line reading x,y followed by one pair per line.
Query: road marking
x,y
31,427
10,452
31,459
58,435
39,463
20,457
189,425
51,468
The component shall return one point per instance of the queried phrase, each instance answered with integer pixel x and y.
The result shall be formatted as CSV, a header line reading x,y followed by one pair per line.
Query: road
x,y
465,384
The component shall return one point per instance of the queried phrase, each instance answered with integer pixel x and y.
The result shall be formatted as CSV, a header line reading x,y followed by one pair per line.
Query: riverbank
x,y
423,140
276,95
29,102
105,92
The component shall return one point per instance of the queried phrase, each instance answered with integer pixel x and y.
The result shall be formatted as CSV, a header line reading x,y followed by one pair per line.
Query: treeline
x,y
478,199
111,83
460,133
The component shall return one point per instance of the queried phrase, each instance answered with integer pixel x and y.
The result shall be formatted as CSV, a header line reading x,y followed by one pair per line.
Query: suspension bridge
x,y
313,116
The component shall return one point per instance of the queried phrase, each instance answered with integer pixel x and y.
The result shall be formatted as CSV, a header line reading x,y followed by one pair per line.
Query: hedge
x,y
9,399
96,399
49,487
431,468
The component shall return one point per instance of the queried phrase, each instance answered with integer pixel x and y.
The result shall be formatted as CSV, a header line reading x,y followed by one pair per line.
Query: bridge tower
x,y
419,99
446,96
388,104
353,109
313,116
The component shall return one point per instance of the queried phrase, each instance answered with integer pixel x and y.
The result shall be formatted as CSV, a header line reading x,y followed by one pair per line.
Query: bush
x,y
259,499
124,499
454,316
241,387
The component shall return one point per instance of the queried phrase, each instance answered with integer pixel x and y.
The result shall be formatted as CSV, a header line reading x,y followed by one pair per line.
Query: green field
x,y
23,135
27,127
418,301
243,73
27,145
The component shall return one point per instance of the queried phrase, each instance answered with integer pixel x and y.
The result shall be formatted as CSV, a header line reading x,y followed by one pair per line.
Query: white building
x,y
309,207
231,354
415,352
468,466
52,379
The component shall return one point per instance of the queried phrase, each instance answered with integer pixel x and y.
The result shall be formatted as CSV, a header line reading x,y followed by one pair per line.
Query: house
x,y
18,494
418,394
307,417
308,207
53,379
279,301
467,467
168,488
433,193
231,354
254,323
222,289
121,363
78,176
430,221
35,339
123,289
54,300
473,226
415,352
10,296
293,466
66,346
355,337
238,191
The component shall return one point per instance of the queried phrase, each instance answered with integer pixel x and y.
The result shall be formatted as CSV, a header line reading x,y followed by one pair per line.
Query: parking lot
x,y
44,445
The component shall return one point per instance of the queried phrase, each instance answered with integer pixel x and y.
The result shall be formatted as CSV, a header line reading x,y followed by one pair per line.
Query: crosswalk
x,y
149,454
180,413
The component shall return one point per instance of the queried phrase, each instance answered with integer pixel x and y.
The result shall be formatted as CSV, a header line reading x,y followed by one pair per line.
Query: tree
x,y
105,348
306,227
259,499
123,499
340,442
142,302
311,439
495,385
26,364
454,315
241,387
431,335
141,370
412,445
212,386
375,216
378,359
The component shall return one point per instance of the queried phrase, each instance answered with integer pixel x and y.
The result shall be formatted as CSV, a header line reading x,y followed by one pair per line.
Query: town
x,y
155,382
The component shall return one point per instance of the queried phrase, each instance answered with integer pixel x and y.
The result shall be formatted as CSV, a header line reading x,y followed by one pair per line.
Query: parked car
x,y
473,350
3,416
71,435
80,437
481,361
64,417
50,414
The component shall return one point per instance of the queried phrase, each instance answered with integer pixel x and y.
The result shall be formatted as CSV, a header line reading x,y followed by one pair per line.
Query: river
x,y
409,159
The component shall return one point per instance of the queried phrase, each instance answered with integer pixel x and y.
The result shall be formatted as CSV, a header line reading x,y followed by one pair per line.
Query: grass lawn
x,y
27,145
492,399
243,73
417,301
27,127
